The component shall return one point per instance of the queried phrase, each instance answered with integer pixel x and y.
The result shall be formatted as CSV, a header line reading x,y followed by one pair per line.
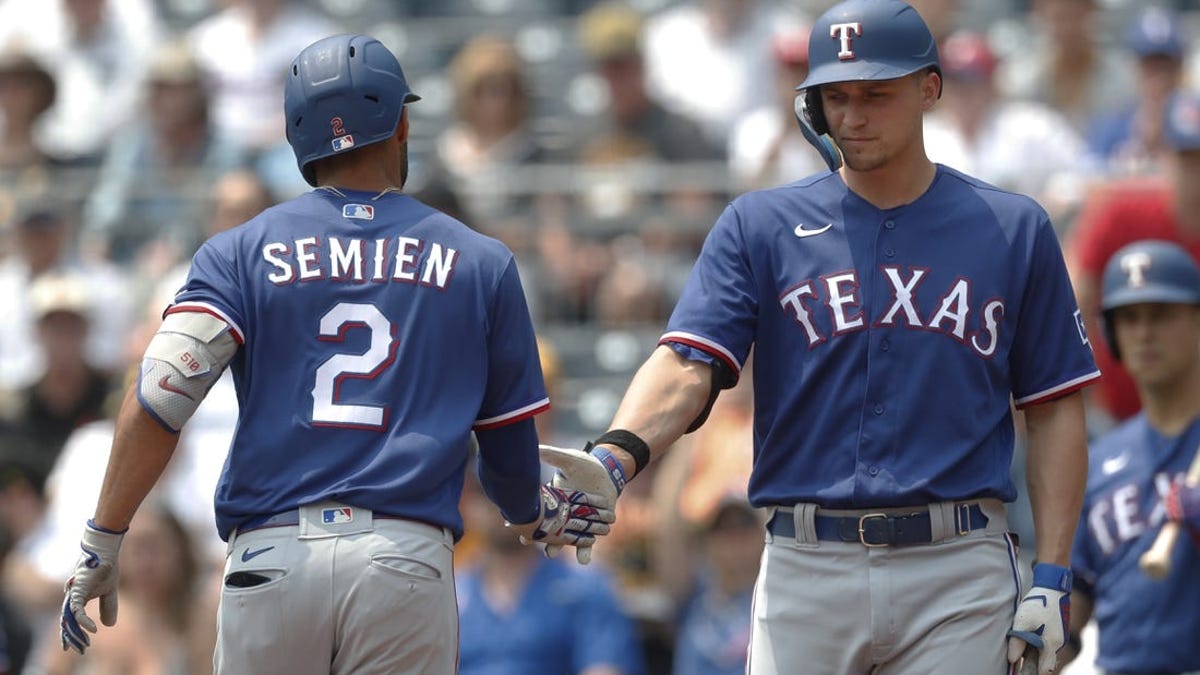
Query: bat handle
x,y
1029,661
1156,562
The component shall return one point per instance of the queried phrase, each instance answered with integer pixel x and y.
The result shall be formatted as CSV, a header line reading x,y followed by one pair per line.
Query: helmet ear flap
x,y
815,111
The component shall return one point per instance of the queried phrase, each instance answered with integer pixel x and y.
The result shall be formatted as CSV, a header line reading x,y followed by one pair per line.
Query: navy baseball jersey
x,y
887,343
381,332
1146,626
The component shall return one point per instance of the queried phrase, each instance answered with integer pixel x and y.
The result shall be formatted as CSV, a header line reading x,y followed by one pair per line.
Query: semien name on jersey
x,y
398,259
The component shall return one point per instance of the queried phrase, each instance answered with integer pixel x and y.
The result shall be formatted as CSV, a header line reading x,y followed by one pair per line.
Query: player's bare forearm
x,y
665,397
1056,473
140,452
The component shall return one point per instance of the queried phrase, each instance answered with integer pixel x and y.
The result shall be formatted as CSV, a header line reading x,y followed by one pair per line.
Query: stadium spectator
x,y
152,172
766,148
97,51
1166,207
1065,66
244,51
1130,138
611,35
27,91
521,613
710,60
1023,146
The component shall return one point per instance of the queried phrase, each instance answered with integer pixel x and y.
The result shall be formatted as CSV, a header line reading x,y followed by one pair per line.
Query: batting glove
x,y
95,577
1043,617
1183,505
596,472
569,518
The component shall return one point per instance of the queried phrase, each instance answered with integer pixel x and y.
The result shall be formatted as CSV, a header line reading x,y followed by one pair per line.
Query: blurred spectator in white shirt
x,y
1021,146
1066,65
766,147
710,60
97,51
245,50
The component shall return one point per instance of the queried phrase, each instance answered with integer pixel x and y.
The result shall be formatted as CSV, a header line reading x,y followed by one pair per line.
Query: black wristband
x,y
629,442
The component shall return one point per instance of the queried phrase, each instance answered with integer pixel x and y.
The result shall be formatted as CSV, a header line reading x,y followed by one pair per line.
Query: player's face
x,y
876,123
1159,342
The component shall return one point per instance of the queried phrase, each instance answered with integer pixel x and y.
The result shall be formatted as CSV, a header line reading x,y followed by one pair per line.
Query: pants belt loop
x,y
943,521
769,536
804,518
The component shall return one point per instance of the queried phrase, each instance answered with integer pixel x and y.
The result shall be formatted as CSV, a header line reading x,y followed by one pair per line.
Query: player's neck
x,y
894,184
1172,407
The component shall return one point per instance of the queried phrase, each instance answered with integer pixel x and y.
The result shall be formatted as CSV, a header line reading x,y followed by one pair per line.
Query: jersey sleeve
x,y
212,287
1051,354
515,389
718,309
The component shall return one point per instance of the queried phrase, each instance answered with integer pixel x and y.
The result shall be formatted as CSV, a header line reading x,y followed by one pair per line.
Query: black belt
x,y
880,529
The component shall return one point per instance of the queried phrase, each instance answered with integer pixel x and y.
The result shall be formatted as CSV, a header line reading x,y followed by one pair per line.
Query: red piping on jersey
x,y
192,307
1060,393
704,348
510,420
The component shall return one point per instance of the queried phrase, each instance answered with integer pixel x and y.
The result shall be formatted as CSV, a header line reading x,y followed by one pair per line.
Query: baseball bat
x,y
1029,661
1156,563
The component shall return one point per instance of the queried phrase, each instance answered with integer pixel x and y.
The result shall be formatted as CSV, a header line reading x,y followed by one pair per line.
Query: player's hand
x,y
595,471
95,576
567,518
1183,505
1043,617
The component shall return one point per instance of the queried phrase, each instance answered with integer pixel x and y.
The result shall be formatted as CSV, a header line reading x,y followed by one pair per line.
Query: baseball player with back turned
x,y
368,335
895,307
1151,315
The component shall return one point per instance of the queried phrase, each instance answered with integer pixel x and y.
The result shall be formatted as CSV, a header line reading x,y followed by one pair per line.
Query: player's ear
x,y
402,127
931,88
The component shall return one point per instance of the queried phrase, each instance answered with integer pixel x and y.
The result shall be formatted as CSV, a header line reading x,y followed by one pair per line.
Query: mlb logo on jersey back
x,y
343,143
342,514
359,211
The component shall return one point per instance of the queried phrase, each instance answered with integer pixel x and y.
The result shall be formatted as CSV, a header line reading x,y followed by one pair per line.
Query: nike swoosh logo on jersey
x,y
1114,464
249,555
163,384
801,232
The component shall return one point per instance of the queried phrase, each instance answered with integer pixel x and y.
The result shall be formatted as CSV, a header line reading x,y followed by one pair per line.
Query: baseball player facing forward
x,y
1151,315
368,335
895,308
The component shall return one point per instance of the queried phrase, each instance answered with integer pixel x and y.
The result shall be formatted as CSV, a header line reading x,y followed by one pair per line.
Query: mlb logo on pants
x,y
342,514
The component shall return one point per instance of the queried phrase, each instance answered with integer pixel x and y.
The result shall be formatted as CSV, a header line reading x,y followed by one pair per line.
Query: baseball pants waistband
x,y
907,526
329,518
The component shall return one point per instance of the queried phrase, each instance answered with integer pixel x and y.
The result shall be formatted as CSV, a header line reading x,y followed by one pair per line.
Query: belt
x,y
880,529
291,517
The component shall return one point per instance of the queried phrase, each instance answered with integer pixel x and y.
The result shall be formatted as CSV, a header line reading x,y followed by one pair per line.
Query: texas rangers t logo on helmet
x,y
1135,265
843,31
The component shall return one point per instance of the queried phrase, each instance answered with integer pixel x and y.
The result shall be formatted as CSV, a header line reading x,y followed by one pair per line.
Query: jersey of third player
x,y
887,342
382,333
1146,626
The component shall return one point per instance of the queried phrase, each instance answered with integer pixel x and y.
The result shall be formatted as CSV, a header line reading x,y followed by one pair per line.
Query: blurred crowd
x,y
599,140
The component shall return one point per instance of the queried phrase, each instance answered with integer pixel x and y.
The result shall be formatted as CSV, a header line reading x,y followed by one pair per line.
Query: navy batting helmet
x,y
1148,271
865,40
342,92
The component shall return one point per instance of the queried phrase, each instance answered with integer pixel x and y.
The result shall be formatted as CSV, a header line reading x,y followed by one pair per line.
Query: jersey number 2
x,y
326,411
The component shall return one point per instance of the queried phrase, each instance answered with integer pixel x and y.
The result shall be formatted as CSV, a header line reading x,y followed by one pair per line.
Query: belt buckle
x,y
962,517
862,530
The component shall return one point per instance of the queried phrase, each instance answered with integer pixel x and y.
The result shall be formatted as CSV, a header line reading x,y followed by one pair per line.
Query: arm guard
x,y
184,359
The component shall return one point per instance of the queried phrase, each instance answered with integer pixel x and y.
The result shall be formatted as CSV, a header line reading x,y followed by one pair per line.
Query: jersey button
x,y
873,470
878,408
885,345
889,252
891,225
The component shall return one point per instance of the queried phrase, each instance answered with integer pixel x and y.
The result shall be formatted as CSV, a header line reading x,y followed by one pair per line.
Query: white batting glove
x,y
568,518
95,577
1043,617
594,471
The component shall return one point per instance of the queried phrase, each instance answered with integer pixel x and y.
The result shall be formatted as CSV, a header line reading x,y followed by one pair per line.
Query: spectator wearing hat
x,y
766,147
147,201
1130,140
37,419
27,91
611,35
1022,146
1165,206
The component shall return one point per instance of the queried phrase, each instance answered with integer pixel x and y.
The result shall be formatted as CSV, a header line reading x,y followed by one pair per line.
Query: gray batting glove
x,y
594,471
1043,617
95,577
